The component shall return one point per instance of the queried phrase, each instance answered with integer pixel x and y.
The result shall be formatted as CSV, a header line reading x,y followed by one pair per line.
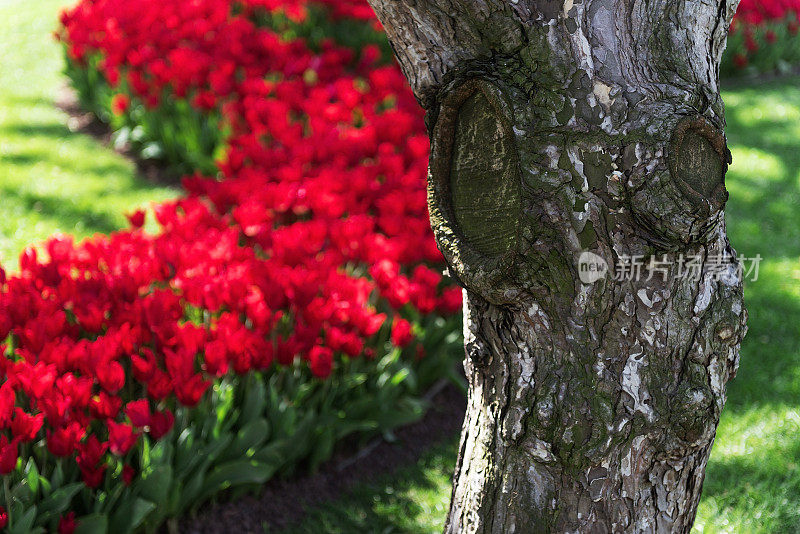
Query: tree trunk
x,y
569,136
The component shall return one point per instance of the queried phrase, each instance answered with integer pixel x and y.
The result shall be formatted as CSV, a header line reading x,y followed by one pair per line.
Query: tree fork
x,y
567,132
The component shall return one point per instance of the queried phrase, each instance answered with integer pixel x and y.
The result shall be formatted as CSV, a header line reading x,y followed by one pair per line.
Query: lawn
x,y
753,478
53,180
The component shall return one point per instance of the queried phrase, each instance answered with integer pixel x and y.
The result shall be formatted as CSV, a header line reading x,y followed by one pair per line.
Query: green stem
x,y
7,492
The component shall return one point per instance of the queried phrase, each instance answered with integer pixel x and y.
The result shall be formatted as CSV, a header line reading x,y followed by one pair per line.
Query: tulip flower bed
x,y
291,303
763,38
175,80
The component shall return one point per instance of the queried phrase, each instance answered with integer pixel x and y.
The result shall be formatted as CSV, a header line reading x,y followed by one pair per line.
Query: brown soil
x,y
284,502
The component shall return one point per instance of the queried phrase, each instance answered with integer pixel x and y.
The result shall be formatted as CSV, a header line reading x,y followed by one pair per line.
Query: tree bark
x,y
561,127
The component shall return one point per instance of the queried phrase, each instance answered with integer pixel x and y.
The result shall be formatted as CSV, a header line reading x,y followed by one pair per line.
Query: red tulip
x,y
190,390
138,412
321,361
127,475
111,375
401,332
105,406
62,441
25,426
136,219
6,403
120,103
161,423
121,437
67,524
9,452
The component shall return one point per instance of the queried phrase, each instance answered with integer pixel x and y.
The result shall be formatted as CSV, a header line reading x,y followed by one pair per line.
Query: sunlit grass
x,y
753,478
51,180
753,482
762,168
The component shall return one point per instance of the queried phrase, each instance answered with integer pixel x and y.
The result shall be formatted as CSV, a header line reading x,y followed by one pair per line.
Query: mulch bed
x,y
284,502
86,122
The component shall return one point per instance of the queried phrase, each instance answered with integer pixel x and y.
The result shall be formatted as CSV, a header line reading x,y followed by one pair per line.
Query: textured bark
x,y
559,127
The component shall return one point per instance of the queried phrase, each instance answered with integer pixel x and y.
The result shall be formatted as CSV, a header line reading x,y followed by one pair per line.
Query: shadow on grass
x,y
57,208
20,159
46,130
68,162
53,179
754,468
769,370
756,491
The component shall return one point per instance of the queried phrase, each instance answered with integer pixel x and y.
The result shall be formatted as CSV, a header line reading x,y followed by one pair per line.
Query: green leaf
x,y
400,375
235,473
45,486
323,448
92,524
58,476
362,409
250,437
130,515
214,449
273,453
191,490
402,415
144,454
352,380
161,453
32,477
255,400
186,454
202,457
58,502
224,396
345,428
154,486
294,446
24,524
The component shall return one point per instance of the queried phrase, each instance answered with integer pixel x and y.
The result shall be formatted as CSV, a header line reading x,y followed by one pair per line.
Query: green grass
x,y
753,478
51,180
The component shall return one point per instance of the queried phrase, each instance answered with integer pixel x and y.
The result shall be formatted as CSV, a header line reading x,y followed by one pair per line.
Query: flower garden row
x,y
763,38
291,298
